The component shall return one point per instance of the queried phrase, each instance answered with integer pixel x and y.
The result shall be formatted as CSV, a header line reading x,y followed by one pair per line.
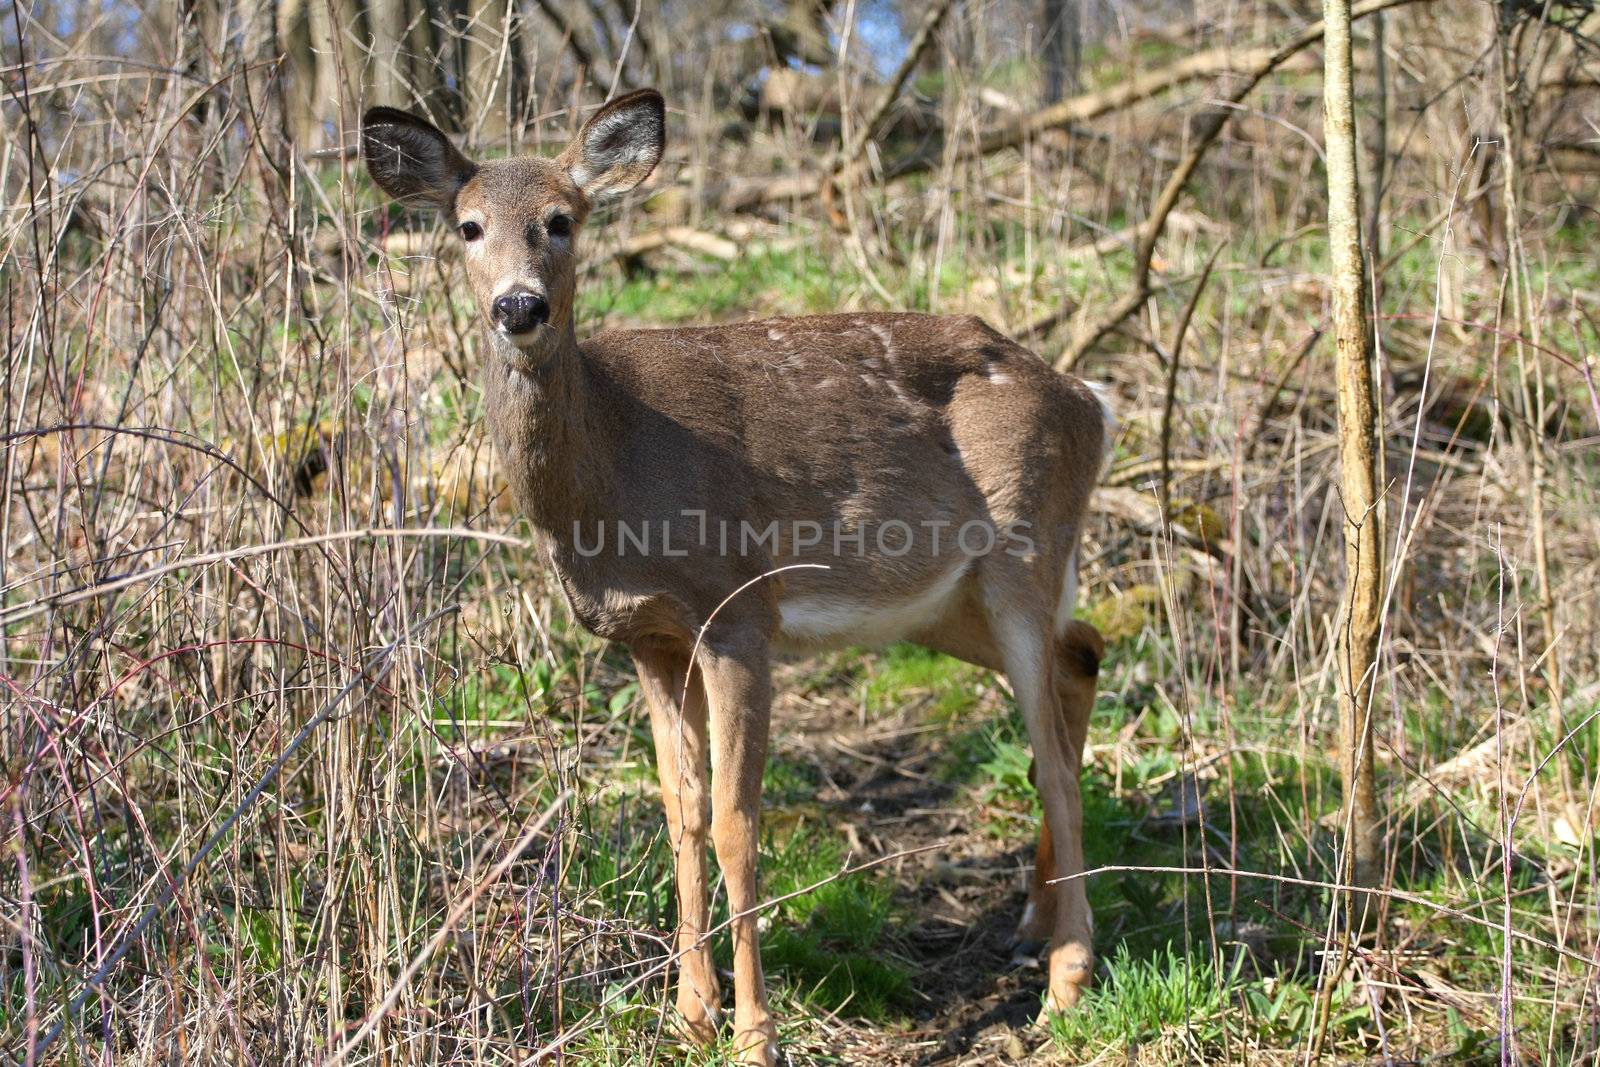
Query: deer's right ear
x,y
411,160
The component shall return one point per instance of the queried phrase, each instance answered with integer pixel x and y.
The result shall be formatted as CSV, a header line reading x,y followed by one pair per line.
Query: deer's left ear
x,y
619,146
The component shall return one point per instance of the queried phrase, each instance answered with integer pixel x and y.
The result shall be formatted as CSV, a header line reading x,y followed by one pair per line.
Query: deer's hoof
x,y
1061,997
757,1046
699,1029
698,1018
1071,970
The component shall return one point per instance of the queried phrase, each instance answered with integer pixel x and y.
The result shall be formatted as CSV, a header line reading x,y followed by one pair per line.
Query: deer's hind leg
x,y
1024,635
1079,650
678,725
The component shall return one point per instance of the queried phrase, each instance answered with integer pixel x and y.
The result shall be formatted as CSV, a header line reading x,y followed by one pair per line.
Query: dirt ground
x,y
958,892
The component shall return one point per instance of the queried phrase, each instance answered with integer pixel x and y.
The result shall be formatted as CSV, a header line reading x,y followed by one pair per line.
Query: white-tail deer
x,y
940,471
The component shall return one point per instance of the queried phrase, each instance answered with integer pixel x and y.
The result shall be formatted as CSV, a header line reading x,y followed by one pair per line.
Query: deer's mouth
x,y
525,338
528,352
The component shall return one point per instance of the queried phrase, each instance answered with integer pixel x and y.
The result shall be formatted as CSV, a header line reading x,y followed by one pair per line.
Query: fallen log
x,y
685,237
1255,64
1023,126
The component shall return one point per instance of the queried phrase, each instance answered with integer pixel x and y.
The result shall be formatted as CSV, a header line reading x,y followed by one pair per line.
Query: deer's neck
x,y
540,413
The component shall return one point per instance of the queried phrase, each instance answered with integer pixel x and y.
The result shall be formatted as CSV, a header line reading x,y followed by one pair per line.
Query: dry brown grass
x,y
303,761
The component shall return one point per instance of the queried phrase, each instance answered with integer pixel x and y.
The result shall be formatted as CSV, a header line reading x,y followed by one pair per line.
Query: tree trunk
x,y
428,59
1063,45
485,69
802,33
334,32
300,72
390,82
1359,456
264,82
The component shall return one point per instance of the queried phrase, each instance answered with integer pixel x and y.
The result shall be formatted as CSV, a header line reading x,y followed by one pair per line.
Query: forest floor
x,y
920,760
295,474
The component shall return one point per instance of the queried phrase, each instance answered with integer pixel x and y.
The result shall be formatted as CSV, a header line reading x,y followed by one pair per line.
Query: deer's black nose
x,y
520,311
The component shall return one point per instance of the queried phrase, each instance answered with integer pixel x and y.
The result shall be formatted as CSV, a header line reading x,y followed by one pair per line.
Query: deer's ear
x,y
619,146
411,160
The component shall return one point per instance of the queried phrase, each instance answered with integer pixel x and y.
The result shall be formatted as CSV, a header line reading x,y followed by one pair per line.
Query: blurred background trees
x,y
481,67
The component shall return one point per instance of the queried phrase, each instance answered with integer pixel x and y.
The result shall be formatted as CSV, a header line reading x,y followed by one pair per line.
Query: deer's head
x,y
518,219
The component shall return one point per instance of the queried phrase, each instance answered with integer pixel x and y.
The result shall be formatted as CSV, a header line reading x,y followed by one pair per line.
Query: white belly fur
x,y
828,622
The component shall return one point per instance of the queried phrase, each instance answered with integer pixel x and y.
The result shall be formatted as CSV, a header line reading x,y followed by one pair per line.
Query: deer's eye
x,y
471,231
559,226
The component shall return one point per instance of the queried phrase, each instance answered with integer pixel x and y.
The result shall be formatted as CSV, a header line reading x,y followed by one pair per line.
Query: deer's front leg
x,y
678,723
739,689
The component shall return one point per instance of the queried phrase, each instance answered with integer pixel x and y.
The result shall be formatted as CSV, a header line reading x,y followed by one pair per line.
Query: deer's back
x,y
939,410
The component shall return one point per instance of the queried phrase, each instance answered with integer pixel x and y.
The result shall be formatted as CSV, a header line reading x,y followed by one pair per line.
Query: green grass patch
x,y
1142,998
826,944
905,673
794,281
